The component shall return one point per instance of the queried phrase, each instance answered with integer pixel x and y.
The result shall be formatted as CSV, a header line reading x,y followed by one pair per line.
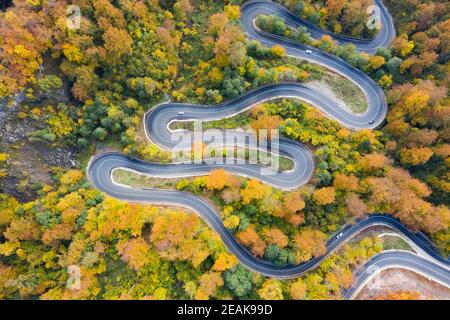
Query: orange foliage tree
x,y
324,196
310,243
251,239
219,179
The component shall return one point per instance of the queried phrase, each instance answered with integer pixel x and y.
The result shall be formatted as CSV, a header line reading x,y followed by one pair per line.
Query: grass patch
x,y
343,88
395,243
348,92
241,120
143,181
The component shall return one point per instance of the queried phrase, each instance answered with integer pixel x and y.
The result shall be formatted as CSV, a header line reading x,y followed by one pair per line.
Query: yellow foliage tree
x,y
271,290
254,191
224,261
232,11
278,51
135,252
346,183
324,196
297,290
415,156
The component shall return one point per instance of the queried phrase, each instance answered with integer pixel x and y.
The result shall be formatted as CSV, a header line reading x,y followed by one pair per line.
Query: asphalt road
x,y
100,170
157,123
397,259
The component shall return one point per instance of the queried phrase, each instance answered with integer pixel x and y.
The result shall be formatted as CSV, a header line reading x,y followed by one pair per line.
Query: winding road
x,y
159,118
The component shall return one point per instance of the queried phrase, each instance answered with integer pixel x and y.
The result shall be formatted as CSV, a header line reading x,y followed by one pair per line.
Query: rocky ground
x,y
31,163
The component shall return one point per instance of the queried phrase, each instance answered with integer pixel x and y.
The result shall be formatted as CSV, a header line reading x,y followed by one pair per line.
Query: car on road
x,y
339,235
371,122
180,113
308,51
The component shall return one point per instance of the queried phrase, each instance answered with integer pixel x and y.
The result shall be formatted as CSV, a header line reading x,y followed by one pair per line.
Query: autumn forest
x,y
74,93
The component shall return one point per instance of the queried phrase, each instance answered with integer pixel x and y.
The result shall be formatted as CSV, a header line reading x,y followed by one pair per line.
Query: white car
x,y
308,51
339,235
180,113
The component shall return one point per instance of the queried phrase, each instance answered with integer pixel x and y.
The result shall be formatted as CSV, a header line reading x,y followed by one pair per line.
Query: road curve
x,y
397,259
102,166
157,121
253,8
377,106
